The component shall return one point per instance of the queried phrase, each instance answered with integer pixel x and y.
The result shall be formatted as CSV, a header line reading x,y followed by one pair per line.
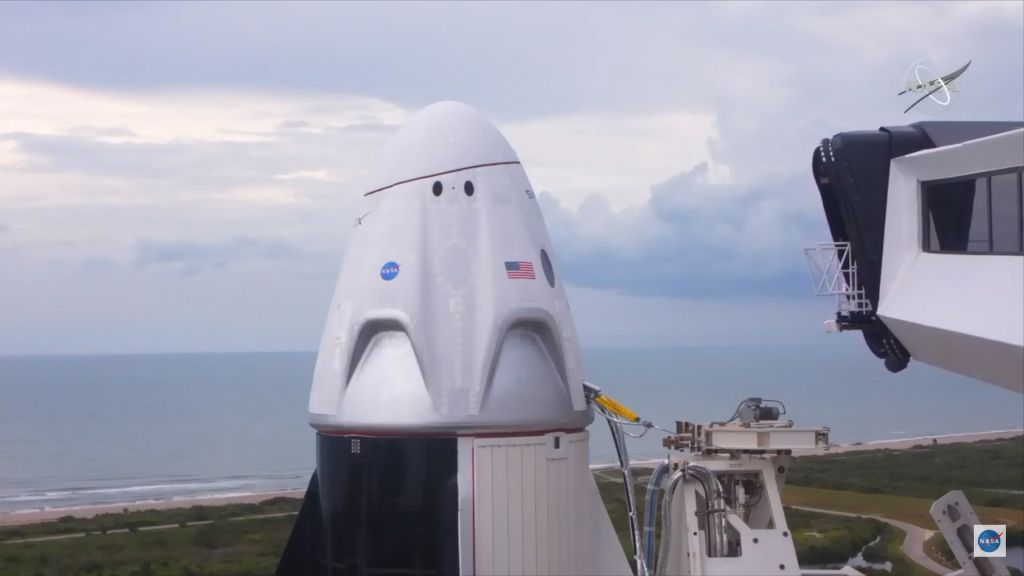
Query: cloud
x,y
59,302
615,155
607,56
319,174
693,238
610,319
671,145
194,257
280,156
182,115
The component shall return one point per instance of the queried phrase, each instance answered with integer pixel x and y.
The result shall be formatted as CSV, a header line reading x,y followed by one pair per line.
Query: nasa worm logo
x,y
937,92
389,271
989,539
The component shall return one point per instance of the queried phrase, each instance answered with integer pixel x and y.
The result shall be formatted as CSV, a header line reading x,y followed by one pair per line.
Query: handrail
x,y
834,273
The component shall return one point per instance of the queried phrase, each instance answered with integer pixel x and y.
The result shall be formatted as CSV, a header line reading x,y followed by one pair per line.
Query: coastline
x,y
906,443
36,516
892,444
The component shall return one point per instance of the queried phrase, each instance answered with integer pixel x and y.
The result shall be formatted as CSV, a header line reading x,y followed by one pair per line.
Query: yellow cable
x,y
614,407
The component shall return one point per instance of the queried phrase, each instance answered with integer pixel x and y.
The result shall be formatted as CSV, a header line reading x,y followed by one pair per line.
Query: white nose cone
x,y
449,315
442,137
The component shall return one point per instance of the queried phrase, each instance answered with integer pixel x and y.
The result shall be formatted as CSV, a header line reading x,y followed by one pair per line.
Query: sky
x,y
183,177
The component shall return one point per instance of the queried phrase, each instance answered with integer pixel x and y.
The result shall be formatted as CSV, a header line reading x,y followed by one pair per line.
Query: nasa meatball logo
x,y
989,539
389,271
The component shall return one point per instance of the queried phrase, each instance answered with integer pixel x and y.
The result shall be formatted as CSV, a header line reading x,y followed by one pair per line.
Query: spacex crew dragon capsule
x,y
448,397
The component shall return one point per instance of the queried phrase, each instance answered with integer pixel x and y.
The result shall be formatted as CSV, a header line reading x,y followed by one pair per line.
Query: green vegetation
x,y
127,520
823,539
912,510
991,473
902,484
609,484
937,548
222,548
888,549
247,539
252,546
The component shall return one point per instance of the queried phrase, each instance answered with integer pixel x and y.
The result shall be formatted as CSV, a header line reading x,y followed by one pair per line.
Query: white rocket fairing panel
x,y
449,314
536,510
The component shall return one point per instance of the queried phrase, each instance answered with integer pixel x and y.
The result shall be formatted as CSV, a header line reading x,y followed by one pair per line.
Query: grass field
x,y
907,509
991,473
140,518
222,548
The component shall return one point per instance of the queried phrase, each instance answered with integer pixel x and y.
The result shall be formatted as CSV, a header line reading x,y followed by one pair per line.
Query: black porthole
x,y
549,271
468,188
438,188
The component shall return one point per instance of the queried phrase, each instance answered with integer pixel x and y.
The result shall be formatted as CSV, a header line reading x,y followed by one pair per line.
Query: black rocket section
x,y
304,554
378,506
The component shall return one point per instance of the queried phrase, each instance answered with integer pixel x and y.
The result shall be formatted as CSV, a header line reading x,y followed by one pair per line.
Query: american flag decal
x,y
520,271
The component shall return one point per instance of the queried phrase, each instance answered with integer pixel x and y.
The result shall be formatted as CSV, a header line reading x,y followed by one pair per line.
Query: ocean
x,y
85,430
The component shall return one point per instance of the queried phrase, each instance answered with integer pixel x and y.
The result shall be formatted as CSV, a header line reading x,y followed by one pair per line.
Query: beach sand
x,y
29,517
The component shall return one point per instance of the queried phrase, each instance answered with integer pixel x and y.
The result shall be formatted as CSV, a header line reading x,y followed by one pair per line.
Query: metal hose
x,y
666,523
714,505
627,480
650,511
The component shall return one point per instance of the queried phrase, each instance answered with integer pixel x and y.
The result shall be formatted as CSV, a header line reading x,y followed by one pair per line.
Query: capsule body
x,y
447,394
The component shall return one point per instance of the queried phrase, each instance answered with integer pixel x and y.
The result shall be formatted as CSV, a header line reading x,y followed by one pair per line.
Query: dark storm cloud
x,y
692,239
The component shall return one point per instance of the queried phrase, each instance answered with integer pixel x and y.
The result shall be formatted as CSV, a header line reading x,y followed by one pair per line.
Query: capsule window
x,y
549,270
438,188
468,188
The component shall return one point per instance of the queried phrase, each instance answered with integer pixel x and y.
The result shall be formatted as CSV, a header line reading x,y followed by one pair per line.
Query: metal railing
x,y
834,273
